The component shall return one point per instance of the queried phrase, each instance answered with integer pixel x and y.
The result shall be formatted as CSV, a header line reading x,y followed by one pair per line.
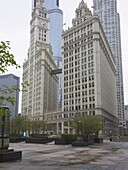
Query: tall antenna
x,y
57,3
33,4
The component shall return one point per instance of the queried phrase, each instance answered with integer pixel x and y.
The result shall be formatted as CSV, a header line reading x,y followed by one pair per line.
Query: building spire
x,y
37,2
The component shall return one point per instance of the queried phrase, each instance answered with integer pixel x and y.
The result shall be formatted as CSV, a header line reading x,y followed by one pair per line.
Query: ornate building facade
x,y
42,93
89,70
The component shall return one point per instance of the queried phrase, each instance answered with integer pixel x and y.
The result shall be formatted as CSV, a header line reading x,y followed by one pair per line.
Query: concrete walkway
x,y
106,156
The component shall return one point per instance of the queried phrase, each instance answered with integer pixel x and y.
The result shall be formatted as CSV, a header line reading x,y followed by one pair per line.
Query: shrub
x,y
69,136
38,136
14,135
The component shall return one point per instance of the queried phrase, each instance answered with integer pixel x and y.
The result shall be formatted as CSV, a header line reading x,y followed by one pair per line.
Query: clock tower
x,y
41,95
39,27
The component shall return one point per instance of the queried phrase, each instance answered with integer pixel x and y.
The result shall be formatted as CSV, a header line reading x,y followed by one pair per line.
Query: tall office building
x,y
56,25
126,112
110,19
126,117
89,70
10,81
41,96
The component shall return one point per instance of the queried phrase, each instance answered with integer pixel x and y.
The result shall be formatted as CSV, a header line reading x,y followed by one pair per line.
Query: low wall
x,y
16,140
38,140
120,139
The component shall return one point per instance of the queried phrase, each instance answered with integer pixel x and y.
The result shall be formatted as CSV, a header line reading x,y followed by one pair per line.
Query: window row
x,y
90,106
77,60
79,32
86,99
79,94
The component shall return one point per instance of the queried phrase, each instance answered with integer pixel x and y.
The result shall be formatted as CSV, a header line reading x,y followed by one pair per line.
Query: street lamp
x,y
79,128
79,123
4,127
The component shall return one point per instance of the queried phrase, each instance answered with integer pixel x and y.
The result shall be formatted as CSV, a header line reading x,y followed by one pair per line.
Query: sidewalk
x,y
106,156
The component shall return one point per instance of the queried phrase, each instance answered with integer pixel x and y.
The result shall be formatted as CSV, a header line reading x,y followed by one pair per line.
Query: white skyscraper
x,y
89,71
41,96
110,19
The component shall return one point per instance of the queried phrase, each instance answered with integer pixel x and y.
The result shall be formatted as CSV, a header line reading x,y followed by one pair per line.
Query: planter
x,y
80,143
98,140
119,139
63,141
91,141
16,140
38,140
7,155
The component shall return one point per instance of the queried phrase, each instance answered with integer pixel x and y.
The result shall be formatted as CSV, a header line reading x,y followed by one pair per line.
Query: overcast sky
x,y
15,18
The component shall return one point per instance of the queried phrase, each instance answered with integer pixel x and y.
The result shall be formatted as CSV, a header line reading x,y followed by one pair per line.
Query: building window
x,y
57,3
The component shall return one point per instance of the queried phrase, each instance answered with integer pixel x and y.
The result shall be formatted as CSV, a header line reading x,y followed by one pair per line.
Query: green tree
x,y
16,126
19,124
38,126
92,124
89,125
7,59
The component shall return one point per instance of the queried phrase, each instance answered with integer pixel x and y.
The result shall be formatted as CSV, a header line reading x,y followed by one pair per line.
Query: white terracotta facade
x,y
42,92
89,71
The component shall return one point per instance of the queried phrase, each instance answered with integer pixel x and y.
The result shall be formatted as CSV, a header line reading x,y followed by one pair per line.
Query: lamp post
x,y
79,141
4,127
79,128
79,124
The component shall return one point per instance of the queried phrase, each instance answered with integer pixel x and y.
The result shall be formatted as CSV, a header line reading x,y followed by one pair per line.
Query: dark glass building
x,y
56,26
10,80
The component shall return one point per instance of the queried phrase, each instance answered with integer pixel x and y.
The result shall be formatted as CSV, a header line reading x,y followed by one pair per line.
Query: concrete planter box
x,y
121,139
16,140
91,141
63,141
80,143
98,140
38,140
7,155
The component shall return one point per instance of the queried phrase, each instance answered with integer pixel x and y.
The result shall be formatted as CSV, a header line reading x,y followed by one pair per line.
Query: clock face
x,y
42,23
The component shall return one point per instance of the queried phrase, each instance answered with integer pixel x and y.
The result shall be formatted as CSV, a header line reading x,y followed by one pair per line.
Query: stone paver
x,y
106,156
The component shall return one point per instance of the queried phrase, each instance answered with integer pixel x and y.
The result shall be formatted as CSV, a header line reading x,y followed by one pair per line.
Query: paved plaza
x,y
106,156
